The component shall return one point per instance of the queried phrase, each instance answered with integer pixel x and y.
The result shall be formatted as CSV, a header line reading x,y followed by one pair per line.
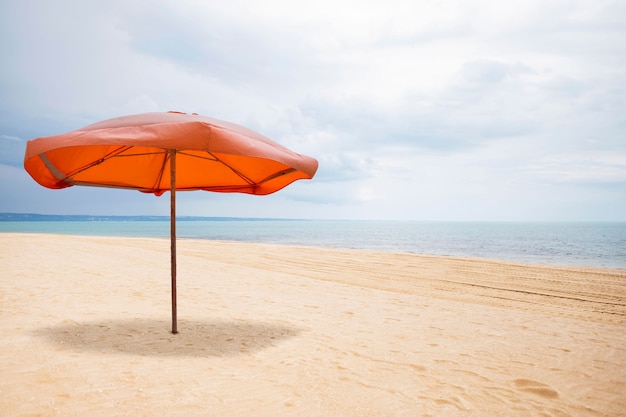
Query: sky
x,y
427,110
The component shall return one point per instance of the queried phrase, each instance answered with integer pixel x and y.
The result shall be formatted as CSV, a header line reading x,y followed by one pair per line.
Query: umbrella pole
x,y
173,236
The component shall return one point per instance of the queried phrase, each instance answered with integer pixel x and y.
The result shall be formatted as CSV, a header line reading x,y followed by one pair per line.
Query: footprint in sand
x,y
534,387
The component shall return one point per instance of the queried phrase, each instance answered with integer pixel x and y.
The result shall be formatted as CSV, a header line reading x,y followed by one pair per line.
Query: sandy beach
x,y
271,330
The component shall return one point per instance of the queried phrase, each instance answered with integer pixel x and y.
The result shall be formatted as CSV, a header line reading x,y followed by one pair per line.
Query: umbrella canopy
x,y
134,152
159,152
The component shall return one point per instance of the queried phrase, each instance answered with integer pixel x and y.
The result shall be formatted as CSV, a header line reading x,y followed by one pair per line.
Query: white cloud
x,y
427,110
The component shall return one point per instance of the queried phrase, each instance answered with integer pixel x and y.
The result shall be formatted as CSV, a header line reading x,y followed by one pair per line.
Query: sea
x,y
595,244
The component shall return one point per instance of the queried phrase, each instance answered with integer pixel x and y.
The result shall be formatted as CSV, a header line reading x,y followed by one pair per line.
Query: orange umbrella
x,y
158,152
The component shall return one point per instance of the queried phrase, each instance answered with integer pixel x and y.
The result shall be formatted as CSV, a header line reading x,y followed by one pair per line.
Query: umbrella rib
x,y
104,185
56,172
167,156
278,174
212,157
239,174
138,154
99,161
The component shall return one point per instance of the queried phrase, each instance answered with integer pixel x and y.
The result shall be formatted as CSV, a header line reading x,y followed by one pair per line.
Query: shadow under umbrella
x,y
146,337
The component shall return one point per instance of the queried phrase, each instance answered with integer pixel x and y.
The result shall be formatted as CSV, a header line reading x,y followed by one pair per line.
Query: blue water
x,y
587,244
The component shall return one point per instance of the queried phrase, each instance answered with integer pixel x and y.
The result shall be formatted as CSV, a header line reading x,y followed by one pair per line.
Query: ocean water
x,y
601,244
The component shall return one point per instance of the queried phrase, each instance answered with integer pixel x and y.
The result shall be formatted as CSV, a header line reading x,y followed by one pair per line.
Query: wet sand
x,y
270,330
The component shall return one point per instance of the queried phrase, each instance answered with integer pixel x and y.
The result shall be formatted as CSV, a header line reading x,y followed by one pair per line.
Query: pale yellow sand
x,y
268,330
